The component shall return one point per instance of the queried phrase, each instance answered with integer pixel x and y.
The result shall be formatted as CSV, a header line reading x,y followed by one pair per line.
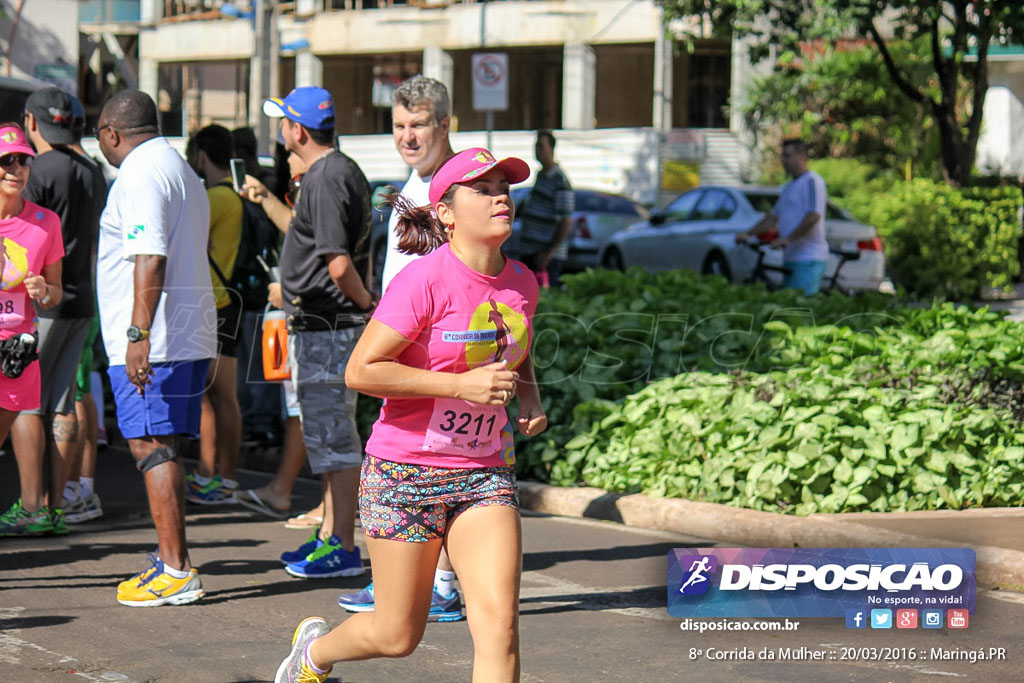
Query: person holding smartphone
x,y
209,153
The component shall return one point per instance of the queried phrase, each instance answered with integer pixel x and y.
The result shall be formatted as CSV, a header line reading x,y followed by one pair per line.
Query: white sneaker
x,y
83,510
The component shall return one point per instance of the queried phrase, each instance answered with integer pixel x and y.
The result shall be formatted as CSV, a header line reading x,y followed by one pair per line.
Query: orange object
x,y
275,347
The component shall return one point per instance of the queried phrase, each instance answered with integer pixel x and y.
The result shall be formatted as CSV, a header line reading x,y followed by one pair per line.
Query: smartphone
x,y
238,174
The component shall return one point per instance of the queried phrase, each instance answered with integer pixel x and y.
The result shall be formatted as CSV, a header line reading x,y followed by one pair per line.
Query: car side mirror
x,y
658,218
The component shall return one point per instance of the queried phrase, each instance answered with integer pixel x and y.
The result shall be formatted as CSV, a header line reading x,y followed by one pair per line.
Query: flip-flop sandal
x,y
251,500
304,521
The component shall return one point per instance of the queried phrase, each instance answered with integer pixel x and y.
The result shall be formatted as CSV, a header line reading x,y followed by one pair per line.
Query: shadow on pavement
x,y
288,586
595,602
34,622
545,560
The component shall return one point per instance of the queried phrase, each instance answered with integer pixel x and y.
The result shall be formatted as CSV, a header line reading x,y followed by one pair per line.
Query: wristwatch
x,y
137,334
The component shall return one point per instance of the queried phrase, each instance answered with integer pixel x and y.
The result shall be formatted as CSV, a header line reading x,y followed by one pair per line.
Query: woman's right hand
x,y
491,385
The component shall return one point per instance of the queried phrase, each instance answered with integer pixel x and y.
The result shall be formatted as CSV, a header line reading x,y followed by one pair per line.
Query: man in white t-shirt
x,y
800,217
159,324
421,118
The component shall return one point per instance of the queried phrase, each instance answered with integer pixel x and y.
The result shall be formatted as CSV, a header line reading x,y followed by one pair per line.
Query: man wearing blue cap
x,y
324,277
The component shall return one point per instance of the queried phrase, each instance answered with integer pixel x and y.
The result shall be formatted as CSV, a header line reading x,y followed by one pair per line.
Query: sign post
x,y
490,85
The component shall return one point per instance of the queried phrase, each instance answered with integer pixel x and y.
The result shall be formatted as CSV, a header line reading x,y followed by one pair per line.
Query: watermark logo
x,y
881,618
698,580
856,618
820,582
906,618
931,618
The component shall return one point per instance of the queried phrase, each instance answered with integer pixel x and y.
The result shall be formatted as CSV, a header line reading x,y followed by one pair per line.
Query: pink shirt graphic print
x,y
29,242
456,320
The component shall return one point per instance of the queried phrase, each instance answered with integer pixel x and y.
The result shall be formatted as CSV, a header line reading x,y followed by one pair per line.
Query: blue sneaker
x,y
445,609
328,561
298,555
441,608
358,602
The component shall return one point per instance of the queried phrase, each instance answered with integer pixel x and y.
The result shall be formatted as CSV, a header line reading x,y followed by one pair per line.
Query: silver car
x,y
597,217
697,231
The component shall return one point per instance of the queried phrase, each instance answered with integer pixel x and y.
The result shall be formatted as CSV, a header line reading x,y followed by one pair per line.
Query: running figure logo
x,y
510,338
697,580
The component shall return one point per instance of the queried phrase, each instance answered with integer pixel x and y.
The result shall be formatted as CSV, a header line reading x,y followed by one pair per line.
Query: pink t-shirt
x,y
457,319
30,241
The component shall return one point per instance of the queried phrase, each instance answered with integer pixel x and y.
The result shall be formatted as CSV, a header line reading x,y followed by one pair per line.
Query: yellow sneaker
x,y
155,587
295,668
129,585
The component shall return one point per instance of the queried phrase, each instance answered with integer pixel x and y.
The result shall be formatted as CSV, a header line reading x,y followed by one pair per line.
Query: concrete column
x,y
149,78
579,86
150,11
662,112
309,69
439,65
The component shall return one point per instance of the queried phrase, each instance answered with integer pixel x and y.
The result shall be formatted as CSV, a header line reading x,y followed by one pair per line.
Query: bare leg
x,y
165,487
29,440
444,563
341,497
278,493
485,544
88,428
223,397
62,452
402,581
207,466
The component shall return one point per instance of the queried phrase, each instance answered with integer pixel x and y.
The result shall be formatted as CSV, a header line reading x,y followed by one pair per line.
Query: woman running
x,y
439,466
31,248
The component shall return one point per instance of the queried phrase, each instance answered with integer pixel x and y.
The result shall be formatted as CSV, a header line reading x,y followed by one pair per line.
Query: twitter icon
x,y
881,618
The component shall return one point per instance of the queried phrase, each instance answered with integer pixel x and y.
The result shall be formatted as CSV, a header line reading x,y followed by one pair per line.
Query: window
x,y
715,205
681,208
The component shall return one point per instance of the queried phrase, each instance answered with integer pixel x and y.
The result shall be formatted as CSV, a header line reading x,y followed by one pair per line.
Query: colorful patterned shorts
x,y
416,503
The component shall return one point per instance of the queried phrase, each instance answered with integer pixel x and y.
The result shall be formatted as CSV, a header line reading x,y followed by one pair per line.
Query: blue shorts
x,y
171,404
805,275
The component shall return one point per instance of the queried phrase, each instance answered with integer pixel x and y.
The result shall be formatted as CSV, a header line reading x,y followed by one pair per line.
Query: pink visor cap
x,y
12,141
470,164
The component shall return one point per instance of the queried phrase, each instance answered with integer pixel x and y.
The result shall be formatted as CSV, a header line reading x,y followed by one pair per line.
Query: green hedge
x,y
939,241
726,361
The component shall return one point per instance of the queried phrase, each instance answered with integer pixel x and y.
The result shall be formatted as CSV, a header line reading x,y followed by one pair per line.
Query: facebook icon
x,y
856,618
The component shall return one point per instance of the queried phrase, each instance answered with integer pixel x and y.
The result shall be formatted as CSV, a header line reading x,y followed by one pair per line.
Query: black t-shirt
x,y
332,216
73,187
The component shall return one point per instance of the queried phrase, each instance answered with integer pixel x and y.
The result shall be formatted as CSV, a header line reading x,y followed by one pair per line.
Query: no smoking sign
x,y
490,81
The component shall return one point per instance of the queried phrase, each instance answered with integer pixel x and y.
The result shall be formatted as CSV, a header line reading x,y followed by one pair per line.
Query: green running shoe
x,y
18,521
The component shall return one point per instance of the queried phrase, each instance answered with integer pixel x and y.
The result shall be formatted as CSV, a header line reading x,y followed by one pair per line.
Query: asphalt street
x,y
593,609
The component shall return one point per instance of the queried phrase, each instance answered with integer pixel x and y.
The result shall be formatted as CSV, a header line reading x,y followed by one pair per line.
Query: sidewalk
x,y
994,533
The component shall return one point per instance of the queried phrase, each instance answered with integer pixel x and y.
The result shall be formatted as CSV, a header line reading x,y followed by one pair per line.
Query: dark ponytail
x,y
419,230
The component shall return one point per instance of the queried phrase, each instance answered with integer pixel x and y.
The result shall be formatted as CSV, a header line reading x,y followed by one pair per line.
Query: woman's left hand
x,y
532,420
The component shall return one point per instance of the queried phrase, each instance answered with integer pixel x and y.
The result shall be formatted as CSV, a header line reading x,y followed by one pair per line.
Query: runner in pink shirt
x,y
448,348
31,248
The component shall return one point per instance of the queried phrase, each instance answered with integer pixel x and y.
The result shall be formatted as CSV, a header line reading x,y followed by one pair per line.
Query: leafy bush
x,y
775,379
947,242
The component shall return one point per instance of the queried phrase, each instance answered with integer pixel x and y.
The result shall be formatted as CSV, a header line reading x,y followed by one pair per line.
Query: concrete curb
x,y
996,566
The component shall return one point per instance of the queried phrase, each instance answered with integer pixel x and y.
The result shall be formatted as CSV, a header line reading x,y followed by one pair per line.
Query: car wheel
x,y
380,252
715,264
613,260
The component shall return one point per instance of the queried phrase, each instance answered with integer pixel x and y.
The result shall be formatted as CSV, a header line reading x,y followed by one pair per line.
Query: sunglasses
x,y
8,160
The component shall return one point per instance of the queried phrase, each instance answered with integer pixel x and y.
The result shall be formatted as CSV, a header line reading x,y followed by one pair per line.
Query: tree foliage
x,y
959,34
843,104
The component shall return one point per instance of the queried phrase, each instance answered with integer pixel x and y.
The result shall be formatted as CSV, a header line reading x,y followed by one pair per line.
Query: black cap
x,y
52,110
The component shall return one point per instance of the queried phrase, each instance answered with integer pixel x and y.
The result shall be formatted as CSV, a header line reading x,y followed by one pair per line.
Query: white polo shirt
x,y
800,196
417,189
157,206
